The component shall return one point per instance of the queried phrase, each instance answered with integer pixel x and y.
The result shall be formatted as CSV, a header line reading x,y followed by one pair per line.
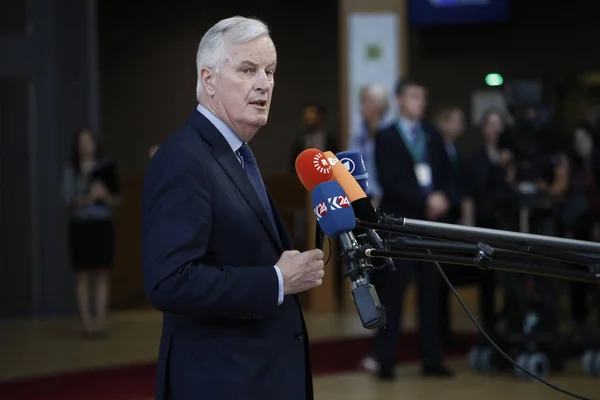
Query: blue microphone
x,y
333,209
354,163
336,218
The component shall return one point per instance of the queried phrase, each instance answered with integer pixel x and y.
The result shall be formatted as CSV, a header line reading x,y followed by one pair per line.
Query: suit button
x,y
299,335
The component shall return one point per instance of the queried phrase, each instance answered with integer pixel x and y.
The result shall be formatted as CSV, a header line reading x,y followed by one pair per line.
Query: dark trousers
x,y
391,288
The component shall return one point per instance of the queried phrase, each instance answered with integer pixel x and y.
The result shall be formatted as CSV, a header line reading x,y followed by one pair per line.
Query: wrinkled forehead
x,y
260,51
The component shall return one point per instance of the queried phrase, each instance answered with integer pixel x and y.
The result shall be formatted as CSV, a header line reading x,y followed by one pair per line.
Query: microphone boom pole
x,y
466,233
492,264
484,256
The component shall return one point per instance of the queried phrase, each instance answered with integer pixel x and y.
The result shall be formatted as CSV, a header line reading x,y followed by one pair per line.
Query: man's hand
x,y
437,205
506,157
301,271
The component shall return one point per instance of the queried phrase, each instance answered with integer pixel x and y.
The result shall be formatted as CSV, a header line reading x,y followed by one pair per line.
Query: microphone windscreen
x,y
312,168
353,161
343,177
332,209
363,209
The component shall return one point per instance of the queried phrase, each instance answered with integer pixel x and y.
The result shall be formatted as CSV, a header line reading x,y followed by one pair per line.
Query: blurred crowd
x,y
526,175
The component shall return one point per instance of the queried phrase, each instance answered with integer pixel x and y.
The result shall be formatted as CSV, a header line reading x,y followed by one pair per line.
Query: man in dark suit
x,y
408,156
216,257
449,122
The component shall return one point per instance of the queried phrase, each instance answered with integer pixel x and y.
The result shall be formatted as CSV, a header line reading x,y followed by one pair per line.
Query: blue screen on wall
x,y
456,12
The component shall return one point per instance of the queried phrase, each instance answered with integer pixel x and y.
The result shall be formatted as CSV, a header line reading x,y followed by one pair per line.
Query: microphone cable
x,y
330,251
491,341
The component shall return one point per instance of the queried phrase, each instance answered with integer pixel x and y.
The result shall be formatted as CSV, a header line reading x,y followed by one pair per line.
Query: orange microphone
x,y
313,168
345,178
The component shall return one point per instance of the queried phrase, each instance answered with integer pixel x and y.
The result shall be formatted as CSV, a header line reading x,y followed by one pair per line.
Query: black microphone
x,y
336,217
370,310
320,237
363,209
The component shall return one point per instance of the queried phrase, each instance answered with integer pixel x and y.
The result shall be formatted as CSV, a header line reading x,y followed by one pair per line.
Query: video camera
x,y
535,145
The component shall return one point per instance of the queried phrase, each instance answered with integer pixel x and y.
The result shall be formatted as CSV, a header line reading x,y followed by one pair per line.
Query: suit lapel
x,y
401,144
230,163
284,236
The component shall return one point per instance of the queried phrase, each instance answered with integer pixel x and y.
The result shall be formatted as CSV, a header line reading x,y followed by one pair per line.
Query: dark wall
x,y
148,71
15,200
540,42
46,92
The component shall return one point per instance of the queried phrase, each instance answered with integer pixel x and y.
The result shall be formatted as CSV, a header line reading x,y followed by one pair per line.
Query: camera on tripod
x,y
534,146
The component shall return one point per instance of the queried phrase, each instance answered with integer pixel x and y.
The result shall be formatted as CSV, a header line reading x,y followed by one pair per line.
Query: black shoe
x,y
437,371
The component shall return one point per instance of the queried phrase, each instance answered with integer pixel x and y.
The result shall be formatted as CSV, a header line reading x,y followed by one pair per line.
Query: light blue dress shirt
x,y
407,127
235,143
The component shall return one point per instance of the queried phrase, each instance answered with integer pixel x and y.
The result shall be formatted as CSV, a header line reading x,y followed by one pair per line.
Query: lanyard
x,y
416,147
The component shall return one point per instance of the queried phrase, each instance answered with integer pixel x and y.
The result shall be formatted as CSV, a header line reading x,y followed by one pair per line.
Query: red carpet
x,y
136,382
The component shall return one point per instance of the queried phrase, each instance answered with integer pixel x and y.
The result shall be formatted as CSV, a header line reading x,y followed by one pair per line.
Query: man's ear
x,y
209,80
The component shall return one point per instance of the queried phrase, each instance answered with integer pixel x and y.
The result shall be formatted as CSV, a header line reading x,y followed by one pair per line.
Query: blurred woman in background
x,y
90,192
581,215
490,179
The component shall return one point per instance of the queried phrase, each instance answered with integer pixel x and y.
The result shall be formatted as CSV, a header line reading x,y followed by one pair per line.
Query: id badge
x,y
423,174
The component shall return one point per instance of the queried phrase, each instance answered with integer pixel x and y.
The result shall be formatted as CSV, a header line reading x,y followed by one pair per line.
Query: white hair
x,y
376,90
212,50
379,93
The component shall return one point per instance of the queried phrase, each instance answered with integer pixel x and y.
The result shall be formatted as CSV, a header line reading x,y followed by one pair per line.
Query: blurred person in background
x,y
581,215
590,122
450,123
488,171
490,183
538,172
374,105
314,133
409,158
91,204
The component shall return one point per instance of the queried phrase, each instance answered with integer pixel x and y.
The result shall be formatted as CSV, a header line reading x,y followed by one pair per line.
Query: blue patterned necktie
x,y
251,168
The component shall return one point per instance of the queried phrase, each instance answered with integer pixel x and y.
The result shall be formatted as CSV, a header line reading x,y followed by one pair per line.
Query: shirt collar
x,y
408,125
232,139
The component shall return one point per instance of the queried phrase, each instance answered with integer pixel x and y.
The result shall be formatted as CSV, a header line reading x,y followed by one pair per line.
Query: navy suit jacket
x,y
208,256
402,195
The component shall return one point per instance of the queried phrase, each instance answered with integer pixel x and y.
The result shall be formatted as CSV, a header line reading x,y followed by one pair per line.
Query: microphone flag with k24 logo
x,y
333,209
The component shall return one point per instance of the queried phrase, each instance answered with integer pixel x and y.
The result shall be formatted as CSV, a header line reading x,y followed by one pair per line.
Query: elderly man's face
x,y
371,108
242,92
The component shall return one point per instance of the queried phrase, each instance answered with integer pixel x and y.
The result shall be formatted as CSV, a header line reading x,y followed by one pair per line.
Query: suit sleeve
x,y
394,177
177,224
